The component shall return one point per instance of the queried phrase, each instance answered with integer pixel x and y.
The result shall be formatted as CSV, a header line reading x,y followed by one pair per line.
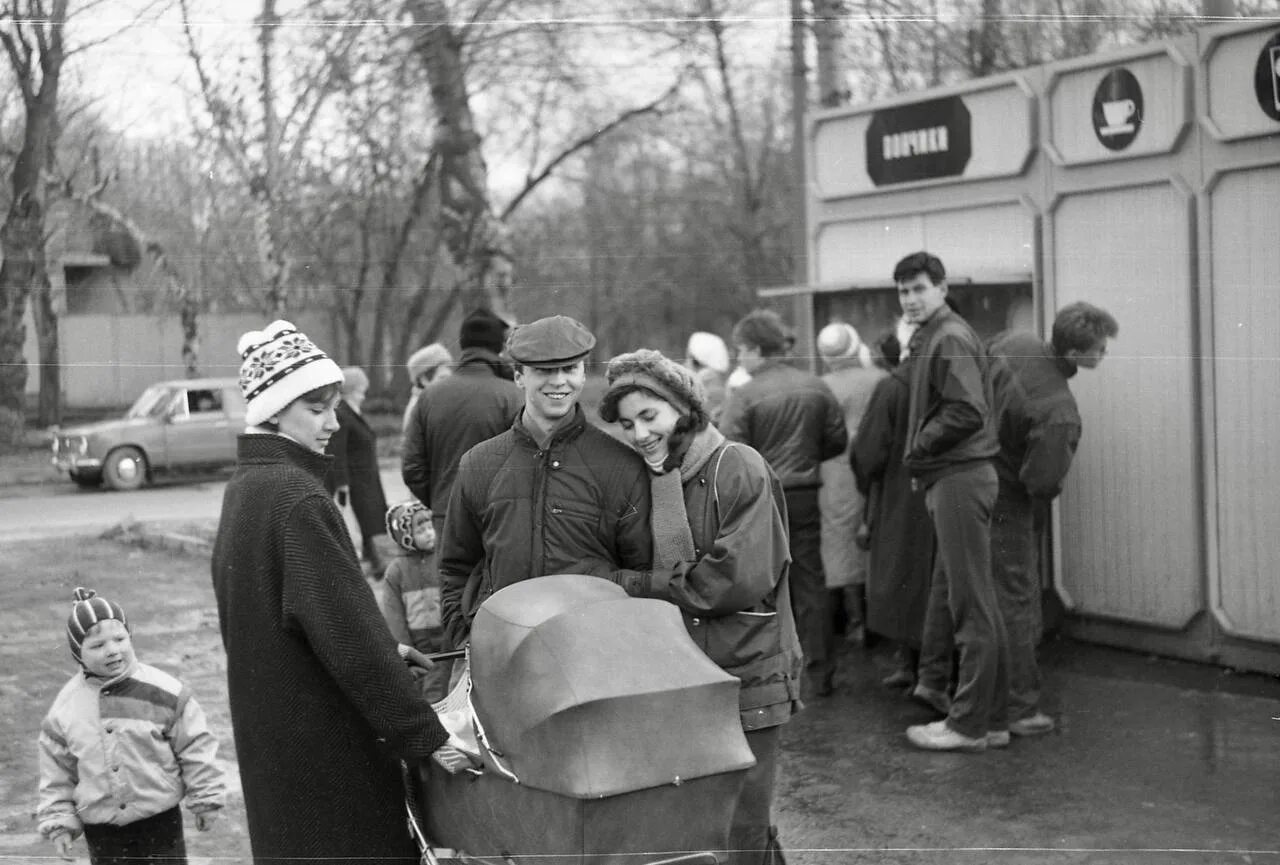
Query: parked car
x,y
186,425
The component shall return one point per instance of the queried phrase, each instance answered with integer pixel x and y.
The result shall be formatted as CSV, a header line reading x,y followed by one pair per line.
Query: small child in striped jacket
x,y
122,745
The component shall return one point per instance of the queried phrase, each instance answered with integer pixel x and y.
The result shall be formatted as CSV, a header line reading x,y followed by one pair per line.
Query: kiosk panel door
x,y
1131,529
1246,260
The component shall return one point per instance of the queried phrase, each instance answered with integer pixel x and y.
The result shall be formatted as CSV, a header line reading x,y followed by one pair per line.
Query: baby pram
x,y
607,736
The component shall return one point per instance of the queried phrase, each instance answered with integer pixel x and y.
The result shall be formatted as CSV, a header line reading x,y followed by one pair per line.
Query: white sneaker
x,y
1033,725
997,738
939,737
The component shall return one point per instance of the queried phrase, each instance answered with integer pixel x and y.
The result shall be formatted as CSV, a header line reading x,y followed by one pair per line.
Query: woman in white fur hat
x,y
323,705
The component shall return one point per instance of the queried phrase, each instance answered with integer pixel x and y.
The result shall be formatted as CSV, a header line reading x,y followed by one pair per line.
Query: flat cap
x,y
556,340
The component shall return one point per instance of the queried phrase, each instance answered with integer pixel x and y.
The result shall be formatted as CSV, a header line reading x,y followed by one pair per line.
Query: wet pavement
x,y
1154,761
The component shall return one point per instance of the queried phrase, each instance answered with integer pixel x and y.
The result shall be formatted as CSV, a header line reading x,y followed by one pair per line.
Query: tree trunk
x,y
828,27
45,317
986,41
478,242
23,234
263,187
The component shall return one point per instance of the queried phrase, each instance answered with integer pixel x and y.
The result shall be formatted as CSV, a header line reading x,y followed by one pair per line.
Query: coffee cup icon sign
x,y
1117,109
1266,78
1117,113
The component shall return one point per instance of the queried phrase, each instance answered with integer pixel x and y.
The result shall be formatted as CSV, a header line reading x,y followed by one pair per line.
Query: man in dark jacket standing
x,y
553,494
951,440
456,413
1039,429
793,419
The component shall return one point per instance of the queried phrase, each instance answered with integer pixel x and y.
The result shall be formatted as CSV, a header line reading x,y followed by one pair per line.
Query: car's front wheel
x,y
125,469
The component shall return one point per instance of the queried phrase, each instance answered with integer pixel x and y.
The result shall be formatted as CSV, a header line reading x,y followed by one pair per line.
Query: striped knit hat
x,y
280,365
400,522
87,611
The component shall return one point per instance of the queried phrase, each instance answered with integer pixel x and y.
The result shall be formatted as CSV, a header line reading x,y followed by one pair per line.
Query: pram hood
x,y
586,692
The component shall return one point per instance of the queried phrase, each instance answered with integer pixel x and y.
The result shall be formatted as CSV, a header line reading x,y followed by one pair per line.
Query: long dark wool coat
x,y
322,706
902,541
355,465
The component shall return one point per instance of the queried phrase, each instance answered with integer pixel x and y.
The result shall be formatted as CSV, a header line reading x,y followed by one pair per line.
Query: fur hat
x,y
424,360
709,350
87,611
483,329
400,522
839,343
280,365
353,377
765,330
649,370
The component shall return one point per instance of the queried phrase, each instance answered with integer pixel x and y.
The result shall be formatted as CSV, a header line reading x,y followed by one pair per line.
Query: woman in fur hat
x,y
721,556
323,705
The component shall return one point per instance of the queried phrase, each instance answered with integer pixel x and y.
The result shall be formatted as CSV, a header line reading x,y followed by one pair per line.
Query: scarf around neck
x,y
672,536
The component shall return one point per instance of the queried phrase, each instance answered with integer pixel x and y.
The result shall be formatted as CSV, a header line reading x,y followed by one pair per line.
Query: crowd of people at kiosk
x,y
902,493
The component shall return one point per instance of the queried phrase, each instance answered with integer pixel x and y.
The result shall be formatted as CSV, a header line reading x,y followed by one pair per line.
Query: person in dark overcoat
x,y
354,474
901,534
323,705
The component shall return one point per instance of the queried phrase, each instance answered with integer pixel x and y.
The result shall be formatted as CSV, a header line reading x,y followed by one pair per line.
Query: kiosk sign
x,y
1266,78
1117,109
920,141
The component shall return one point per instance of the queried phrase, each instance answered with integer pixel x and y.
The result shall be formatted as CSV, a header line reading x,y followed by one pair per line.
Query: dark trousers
x,y
157,840
1017,584
810,598
963,610
753,839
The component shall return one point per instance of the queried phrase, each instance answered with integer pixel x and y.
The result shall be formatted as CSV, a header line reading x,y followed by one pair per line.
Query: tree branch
x,y
218,110
585,141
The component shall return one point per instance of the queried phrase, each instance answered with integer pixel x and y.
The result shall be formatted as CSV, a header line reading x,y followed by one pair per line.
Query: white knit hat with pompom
x,y
280,364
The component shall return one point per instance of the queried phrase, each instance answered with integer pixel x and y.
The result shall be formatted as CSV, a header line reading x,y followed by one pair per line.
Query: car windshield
x,y
153,402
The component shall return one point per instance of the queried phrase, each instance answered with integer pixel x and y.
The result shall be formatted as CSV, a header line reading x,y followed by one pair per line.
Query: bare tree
x,y
828,27
33,39
266,145
474,237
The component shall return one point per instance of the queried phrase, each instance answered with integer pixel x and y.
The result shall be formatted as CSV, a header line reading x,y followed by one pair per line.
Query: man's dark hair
x,y
1081,326
765,330
920,262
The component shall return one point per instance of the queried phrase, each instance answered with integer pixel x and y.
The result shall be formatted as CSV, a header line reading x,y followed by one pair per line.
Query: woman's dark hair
x,y
678,442
686,427
315,396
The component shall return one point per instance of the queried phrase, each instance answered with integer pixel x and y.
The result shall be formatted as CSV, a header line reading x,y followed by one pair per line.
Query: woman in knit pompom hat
x,y
720,555
323,705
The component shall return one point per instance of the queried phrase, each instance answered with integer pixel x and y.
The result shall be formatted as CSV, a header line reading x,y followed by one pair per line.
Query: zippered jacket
x,y
792,418
519,510
735,595
950,421
115,751
1039,423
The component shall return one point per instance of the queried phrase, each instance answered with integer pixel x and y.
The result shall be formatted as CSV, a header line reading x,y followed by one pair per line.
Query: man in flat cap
x,y
553,494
